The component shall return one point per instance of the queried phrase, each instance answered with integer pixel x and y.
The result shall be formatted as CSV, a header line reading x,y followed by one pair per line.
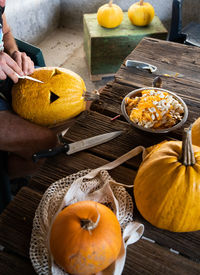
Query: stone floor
x,y
64,48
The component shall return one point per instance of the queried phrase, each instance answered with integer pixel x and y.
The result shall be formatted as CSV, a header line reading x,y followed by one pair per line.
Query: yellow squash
x,y
85,238
141,13
167,185
59,98
109,15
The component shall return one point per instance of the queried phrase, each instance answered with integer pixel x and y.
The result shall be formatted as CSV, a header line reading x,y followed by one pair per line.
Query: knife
x,y
77,146
28,77
151,68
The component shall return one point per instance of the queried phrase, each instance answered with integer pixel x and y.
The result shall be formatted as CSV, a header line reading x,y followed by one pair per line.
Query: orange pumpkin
x,y
85,238
109,15
196,132
141,13
167,185
62,96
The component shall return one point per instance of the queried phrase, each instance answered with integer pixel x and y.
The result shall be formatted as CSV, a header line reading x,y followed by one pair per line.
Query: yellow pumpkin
x,y
85,238
109,15
196,132
59,98
167,185
141,13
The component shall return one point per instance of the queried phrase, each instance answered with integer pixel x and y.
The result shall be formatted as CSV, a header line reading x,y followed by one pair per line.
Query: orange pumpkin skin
x,y
58,99
167,192
82,251
196,132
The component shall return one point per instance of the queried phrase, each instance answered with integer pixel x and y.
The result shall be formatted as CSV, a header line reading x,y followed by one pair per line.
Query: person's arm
x,y
10,47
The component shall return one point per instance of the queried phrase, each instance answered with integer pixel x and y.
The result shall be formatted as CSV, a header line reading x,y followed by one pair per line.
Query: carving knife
x,y
29,78
151,68
71,148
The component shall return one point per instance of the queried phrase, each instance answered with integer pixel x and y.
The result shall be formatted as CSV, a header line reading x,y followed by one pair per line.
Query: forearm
x,y
10,45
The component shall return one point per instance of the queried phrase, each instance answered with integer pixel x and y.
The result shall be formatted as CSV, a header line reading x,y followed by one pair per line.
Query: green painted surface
x,y
107,48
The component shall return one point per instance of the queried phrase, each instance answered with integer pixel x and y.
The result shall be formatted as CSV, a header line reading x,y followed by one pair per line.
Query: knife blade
x,y
28,77
77,146
152,68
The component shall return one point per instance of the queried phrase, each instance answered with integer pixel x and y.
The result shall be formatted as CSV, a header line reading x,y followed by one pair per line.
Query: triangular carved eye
x,y
53,97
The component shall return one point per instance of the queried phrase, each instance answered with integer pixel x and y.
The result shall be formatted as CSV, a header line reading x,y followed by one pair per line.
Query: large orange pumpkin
x,y
85,238
59,98
167,185
196,132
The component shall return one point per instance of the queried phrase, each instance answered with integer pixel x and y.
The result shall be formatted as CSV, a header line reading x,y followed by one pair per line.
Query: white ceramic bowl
x,y
151,130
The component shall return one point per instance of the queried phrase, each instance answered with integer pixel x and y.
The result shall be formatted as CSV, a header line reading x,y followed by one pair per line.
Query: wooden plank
x,y
141,256
176,57
62,166
144,257
16,221
11,264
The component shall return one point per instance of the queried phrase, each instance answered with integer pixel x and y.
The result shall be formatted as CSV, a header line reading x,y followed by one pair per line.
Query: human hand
x,y
8,67
24,62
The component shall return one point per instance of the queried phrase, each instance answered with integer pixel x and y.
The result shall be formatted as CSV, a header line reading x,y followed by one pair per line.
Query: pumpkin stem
x,y
88,224
110,3
91,96
187,157
141,2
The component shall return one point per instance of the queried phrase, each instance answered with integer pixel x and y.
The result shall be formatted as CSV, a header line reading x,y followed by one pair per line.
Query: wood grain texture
x,y
11,264
16,222
62,166
144,257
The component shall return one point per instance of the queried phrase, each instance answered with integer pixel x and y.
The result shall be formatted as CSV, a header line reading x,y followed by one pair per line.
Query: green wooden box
x,y
105,49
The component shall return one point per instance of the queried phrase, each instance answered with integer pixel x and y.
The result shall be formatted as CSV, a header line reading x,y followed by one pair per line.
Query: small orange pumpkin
x,y
85,238
109,15
141,13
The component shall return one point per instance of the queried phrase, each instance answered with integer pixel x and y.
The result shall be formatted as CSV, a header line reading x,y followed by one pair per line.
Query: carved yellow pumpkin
x,y
167,185
85,238
59,98
109,15
141,13
196,132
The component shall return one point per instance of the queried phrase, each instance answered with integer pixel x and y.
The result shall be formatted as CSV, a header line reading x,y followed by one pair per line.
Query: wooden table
x,y
160,252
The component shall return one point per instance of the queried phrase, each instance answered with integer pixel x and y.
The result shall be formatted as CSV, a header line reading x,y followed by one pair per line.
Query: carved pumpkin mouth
x,y
53,97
